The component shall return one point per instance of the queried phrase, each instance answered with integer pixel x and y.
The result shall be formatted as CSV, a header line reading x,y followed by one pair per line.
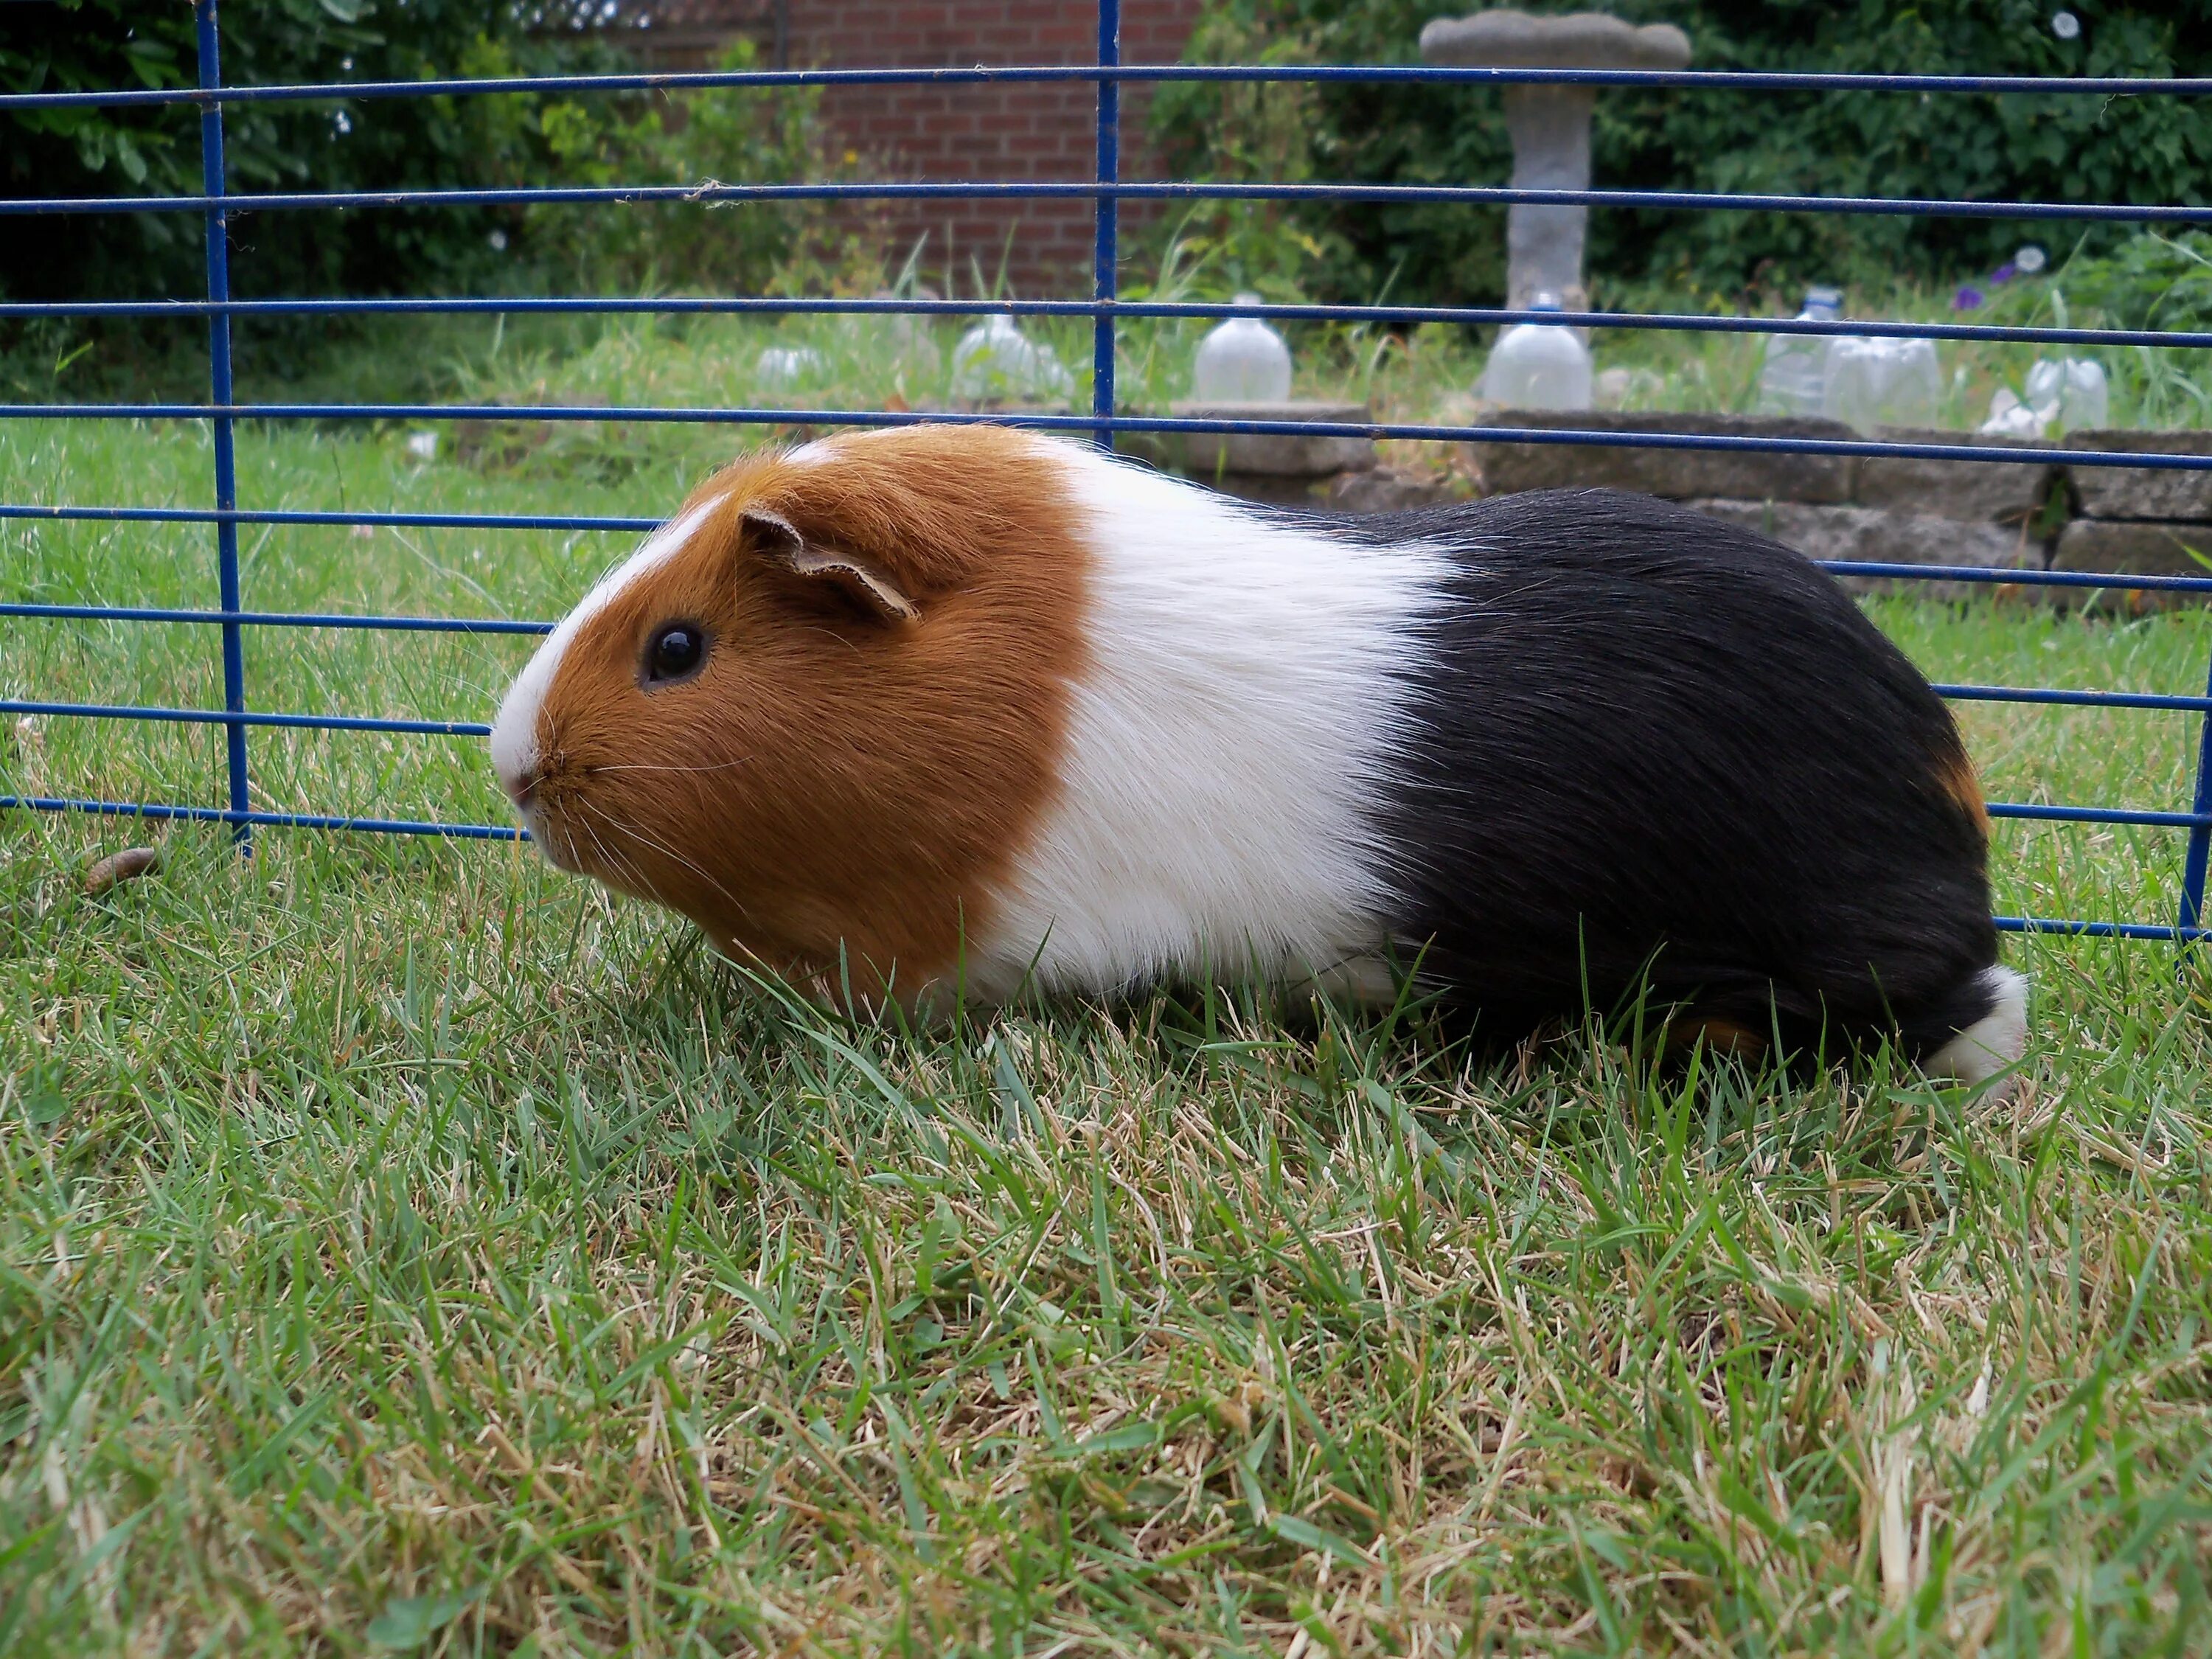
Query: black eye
x,y
676,652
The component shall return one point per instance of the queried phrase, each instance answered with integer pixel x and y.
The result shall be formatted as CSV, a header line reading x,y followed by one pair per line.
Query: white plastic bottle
x,y
995,361
1872,383
2072,391
1242,361
1794,376
2061,397
1538,365
778,368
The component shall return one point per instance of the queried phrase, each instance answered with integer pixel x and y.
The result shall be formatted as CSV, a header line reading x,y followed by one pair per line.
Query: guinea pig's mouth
x,y
550,829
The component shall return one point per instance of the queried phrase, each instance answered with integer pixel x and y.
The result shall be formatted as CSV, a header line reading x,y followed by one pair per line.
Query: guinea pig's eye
x,y
676,652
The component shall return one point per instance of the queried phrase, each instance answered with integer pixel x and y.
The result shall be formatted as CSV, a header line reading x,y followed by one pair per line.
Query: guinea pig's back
x,y
1647,740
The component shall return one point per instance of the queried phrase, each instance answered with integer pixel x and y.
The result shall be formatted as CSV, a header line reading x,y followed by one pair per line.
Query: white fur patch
x,y
1991,1042
1247,690
816,451
515,731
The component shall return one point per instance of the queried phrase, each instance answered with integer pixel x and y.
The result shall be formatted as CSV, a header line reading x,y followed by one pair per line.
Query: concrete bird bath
x,y
1550,124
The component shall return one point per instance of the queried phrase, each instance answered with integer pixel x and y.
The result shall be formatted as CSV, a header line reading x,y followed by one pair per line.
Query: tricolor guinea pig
x,y
961,709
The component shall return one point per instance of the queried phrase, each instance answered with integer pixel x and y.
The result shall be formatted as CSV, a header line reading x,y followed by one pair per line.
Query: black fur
x,y
1657,750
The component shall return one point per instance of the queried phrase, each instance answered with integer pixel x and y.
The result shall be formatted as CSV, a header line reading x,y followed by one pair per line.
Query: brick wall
x,y
1037,130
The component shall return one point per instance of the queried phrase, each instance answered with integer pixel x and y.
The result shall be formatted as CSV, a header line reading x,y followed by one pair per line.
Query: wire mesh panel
x,y
228,619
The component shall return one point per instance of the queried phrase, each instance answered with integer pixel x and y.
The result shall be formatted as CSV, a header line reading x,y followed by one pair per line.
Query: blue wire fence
x,y
1108,190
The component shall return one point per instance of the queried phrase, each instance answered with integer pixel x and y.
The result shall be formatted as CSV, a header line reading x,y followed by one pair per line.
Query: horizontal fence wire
x,y
276,619
1163,189
308,516
246,818
985,74
220,310
1192,310
2054,455
119,711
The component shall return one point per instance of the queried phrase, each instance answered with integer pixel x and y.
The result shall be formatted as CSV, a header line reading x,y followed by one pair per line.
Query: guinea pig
x,y
959,710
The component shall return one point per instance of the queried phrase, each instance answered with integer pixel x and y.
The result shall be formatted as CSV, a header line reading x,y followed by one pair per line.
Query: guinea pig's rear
x,y
959,708
1653,748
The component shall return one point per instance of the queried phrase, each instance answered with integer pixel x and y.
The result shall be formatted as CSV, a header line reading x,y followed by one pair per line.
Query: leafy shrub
x,y
2024,147
2149,281
379,143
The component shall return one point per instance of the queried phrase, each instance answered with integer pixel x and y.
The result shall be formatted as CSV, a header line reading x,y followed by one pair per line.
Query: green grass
x,y
402,1245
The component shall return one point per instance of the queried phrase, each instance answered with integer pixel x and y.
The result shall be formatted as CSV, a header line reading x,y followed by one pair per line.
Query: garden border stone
x,y
1675,474
1275,454
1982,491
1878,535
2128,492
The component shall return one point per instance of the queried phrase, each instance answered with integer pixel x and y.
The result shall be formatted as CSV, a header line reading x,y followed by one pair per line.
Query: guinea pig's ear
x,y
868,587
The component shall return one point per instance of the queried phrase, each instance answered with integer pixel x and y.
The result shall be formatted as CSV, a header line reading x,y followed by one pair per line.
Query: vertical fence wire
x,y
1107,252
212,172
2200,833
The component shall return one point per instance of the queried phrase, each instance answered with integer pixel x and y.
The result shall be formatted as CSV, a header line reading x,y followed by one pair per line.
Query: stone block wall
x,y
1877,509
2157,523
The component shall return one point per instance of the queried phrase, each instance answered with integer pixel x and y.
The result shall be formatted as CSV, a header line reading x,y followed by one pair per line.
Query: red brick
x,y
1004,131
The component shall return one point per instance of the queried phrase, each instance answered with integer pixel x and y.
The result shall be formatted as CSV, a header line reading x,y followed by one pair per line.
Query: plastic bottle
x,y
1794,374
1872,383
1538,365
2072,391
2064,396
778,368
1242,361
996,361
2008,418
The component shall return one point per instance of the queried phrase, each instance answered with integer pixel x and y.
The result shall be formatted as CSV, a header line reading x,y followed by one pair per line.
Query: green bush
x,y
380,144
2041,147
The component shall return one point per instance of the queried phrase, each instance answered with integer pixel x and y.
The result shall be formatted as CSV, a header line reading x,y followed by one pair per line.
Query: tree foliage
x,y
346,144
2148,149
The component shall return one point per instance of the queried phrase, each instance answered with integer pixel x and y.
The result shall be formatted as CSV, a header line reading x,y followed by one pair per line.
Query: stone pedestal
x,y
1550,124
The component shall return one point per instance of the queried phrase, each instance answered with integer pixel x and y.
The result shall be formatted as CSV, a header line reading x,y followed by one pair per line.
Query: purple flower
x,y
2003,273
1967,298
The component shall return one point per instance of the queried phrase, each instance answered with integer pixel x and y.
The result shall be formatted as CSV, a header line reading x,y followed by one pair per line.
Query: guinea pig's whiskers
x,y
852,646
627,869
666,851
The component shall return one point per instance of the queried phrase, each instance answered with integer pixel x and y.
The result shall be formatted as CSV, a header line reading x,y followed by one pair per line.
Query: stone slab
x,y
1990,492
2134,547
1385,489
1275,454
1272,488
1875,536
1676,474
2127,492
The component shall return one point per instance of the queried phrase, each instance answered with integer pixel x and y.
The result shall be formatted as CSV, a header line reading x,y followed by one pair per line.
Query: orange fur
x,y
835,786
1720,1037
1961,785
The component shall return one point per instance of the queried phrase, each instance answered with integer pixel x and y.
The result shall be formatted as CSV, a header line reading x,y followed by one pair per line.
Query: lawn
x,y
404,1247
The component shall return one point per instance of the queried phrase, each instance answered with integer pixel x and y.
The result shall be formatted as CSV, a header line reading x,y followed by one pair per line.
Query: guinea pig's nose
x,y
523,789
